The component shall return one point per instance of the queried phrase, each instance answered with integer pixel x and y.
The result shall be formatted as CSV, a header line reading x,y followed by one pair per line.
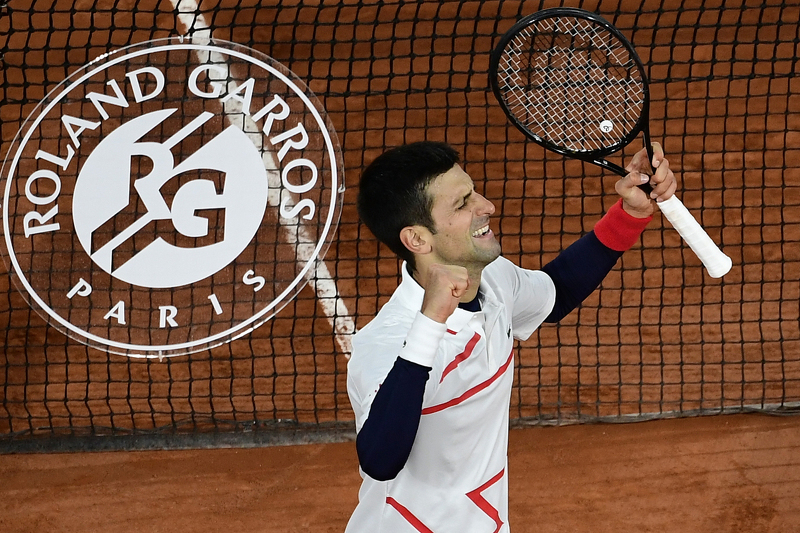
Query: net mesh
x,y
659,338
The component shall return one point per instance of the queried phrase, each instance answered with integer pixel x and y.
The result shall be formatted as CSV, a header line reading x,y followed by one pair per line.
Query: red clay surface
x,y
723,474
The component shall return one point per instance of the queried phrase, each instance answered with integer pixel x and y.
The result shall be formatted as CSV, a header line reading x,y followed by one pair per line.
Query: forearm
x,y
579,269
577,272
385,440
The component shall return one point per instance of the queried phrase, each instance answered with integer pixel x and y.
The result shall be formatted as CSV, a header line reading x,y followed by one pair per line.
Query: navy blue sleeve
x,y
384,442
577,272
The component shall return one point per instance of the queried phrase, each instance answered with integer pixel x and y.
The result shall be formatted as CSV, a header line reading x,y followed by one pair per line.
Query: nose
x,y
485,207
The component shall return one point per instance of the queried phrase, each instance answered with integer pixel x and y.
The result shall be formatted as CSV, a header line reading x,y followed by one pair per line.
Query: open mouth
x,y
481,232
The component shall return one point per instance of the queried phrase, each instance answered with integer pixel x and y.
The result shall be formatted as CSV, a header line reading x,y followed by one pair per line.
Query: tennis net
x,y
658,339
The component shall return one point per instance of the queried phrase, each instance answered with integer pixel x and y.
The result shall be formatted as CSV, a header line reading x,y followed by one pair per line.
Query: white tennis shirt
x,y
455,479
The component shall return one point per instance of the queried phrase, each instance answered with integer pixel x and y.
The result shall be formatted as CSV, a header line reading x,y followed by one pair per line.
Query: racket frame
x,y
596,157
716,262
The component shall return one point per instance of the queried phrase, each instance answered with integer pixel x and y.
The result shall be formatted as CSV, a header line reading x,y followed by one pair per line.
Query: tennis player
x,y
430,376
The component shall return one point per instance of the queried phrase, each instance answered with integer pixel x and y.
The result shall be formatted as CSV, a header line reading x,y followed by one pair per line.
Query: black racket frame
x,y
591,156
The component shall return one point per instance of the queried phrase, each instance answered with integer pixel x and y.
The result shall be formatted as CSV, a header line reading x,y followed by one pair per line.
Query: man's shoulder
x,y
390,324
501,272
507,278
376,345
391,316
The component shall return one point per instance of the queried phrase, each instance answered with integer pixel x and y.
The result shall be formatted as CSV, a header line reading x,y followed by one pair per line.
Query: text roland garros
x,y
170,196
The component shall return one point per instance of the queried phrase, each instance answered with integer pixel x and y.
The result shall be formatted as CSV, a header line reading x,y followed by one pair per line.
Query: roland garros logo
x,y
170,197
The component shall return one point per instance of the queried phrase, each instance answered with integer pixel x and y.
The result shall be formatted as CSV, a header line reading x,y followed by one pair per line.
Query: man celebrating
x,y
430,376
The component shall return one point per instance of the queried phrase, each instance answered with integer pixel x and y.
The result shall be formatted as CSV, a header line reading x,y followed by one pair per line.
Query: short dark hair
x,y
392,193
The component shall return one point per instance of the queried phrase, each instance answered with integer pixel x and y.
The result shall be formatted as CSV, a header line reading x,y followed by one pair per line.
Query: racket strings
x,y
572,84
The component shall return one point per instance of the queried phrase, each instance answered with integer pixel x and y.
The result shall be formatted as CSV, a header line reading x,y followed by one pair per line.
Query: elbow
x,y
558,313
377,464
380,474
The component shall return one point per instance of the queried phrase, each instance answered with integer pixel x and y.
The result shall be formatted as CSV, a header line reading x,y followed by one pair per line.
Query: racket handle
x,y
716,262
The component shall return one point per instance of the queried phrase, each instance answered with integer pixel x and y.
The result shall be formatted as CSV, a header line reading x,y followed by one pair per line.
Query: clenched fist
x,y
444,287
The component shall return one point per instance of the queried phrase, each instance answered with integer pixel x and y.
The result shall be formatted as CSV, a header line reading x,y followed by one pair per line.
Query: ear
x,y
416,239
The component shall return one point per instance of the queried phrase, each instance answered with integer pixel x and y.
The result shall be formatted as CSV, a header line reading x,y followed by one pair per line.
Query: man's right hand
x,y
445,286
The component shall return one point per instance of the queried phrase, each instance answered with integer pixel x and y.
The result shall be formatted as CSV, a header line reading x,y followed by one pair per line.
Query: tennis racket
x,y
571,82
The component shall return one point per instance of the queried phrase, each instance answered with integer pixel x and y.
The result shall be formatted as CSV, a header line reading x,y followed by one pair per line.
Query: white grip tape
x,y
716,262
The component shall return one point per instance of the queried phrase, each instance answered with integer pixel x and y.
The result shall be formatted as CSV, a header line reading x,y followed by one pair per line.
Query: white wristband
x,y
422,341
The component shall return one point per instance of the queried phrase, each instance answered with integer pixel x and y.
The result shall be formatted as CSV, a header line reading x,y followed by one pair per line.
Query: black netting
x,y
659,338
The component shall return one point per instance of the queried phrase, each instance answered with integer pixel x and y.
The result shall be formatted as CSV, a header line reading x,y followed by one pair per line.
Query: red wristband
x,y
618,230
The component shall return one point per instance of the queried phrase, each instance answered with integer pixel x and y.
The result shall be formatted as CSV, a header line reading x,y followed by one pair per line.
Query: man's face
x,y
461,218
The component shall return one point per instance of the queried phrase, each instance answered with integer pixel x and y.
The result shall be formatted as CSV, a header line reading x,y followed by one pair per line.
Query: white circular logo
x,y
606,126
103,191
170,196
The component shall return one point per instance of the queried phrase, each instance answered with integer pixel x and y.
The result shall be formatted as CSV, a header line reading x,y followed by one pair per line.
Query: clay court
x,y
666,403
722,474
